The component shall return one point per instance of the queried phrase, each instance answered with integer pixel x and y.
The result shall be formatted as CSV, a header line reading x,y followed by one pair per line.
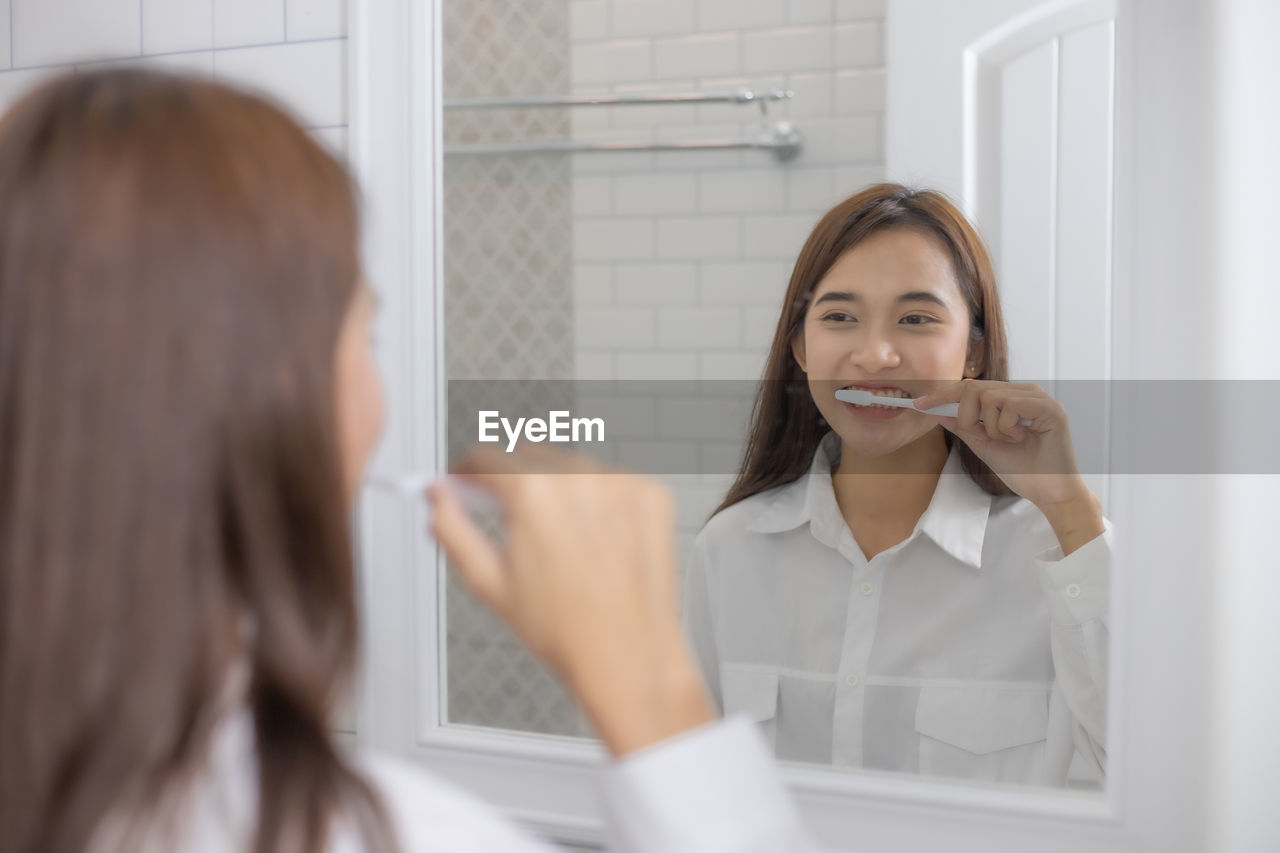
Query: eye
x,y
839,317
917,320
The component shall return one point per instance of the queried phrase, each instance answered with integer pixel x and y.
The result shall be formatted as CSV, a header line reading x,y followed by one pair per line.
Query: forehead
x,y
891,262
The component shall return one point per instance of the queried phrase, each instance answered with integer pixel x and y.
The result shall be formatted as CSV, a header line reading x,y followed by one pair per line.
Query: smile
x,y
896,393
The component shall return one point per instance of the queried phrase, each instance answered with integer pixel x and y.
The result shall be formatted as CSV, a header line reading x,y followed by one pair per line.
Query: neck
x,y
896,485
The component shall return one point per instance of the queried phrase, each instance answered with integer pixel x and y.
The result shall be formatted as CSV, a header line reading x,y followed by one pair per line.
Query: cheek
x,y
371,414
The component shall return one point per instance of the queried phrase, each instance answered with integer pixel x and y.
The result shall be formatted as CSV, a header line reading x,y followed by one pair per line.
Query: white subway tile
x,y
588,19
702,328
624,415
861,91
593,364
650,194
759,326
811,11
650,116
657,283
814,189
697,55
657,457
812,95
610,162
584,120
592,195
740,14
247,22
747,364
698,417
850,10
841,141
308,77
651,17
859,45
787,49
656,365
729,158
315,19
613,239
592,284
196,63
607,328
741,190
52,32
172,25
776,236
611,61
850,179
744,282
15,84
713,237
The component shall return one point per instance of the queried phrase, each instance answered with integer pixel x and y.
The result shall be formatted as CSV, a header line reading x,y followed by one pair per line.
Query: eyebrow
x,y
849,296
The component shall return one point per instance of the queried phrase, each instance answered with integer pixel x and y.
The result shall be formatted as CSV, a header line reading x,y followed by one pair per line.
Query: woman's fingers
x,y
1007,424
470,551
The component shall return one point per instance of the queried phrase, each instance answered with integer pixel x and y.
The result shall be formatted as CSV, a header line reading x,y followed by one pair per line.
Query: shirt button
x,y
867,589
851,680
1073,590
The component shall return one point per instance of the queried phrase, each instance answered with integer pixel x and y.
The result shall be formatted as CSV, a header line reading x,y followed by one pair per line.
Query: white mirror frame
x,y
1161,764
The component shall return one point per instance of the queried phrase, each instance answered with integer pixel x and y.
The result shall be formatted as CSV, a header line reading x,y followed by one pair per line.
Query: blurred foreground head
x,y
176,259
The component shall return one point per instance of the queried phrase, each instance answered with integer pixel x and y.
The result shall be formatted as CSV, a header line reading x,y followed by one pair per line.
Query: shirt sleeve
x,y
699,624
711,790
1078,590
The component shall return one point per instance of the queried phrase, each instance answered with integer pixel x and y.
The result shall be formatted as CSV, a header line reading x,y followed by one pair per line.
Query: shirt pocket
x,y
986,733
751,690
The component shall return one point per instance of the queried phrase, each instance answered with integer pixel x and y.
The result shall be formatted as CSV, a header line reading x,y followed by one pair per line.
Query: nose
x,y
875,352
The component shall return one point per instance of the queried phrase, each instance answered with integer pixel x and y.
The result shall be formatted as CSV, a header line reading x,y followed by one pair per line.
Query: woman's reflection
x,y
889,589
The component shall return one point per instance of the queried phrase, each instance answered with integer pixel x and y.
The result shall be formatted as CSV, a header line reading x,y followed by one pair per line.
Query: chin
x,y
857,439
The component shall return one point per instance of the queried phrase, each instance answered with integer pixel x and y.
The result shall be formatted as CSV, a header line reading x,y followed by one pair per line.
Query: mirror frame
x,y
1159,717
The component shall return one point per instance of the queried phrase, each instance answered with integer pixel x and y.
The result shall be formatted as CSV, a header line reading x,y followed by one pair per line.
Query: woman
x,y
187,401
891,589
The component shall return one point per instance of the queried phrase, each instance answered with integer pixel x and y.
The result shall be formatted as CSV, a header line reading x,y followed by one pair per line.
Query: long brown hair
x,y
176,259
786,425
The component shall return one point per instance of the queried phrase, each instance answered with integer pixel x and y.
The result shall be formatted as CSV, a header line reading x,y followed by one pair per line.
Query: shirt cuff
x,y
1078,586
714,788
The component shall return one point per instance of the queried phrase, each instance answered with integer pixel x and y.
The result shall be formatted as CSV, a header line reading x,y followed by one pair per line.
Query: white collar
x,y
956,518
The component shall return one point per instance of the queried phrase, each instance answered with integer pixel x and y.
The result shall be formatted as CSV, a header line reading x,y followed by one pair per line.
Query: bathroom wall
x,y
293,49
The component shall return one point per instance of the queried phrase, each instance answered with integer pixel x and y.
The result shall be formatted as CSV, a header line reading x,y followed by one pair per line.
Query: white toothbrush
x,y
865,398
414,485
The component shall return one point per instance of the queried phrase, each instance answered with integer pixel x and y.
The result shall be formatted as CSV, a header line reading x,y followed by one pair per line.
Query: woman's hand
x,y
1037,461
587,579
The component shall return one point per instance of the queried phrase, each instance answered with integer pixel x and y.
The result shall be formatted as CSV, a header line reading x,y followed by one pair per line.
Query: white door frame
x,y
1159,722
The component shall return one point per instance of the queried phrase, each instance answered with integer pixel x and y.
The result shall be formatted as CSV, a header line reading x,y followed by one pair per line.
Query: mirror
x,y
627,186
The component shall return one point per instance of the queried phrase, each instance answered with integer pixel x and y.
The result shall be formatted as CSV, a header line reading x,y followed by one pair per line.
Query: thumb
x,y
474,556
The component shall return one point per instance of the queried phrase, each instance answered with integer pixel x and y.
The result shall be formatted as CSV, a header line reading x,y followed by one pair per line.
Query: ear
x,y
797,349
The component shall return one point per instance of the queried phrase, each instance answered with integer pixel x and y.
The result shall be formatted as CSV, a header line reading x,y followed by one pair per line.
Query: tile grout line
x,y
211,50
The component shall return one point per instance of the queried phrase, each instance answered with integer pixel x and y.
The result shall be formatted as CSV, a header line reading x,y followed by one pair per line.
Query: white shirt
x,y
711,790
971,649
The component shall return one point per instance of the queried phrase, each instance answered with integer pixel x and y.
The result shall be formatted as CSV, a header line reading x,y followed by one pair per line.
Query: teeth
x,y
883,392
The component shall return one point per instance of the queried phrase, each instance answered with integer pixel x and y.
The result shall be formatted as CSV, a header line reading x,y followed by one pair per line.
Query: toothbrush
x,y
865,398
414,485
